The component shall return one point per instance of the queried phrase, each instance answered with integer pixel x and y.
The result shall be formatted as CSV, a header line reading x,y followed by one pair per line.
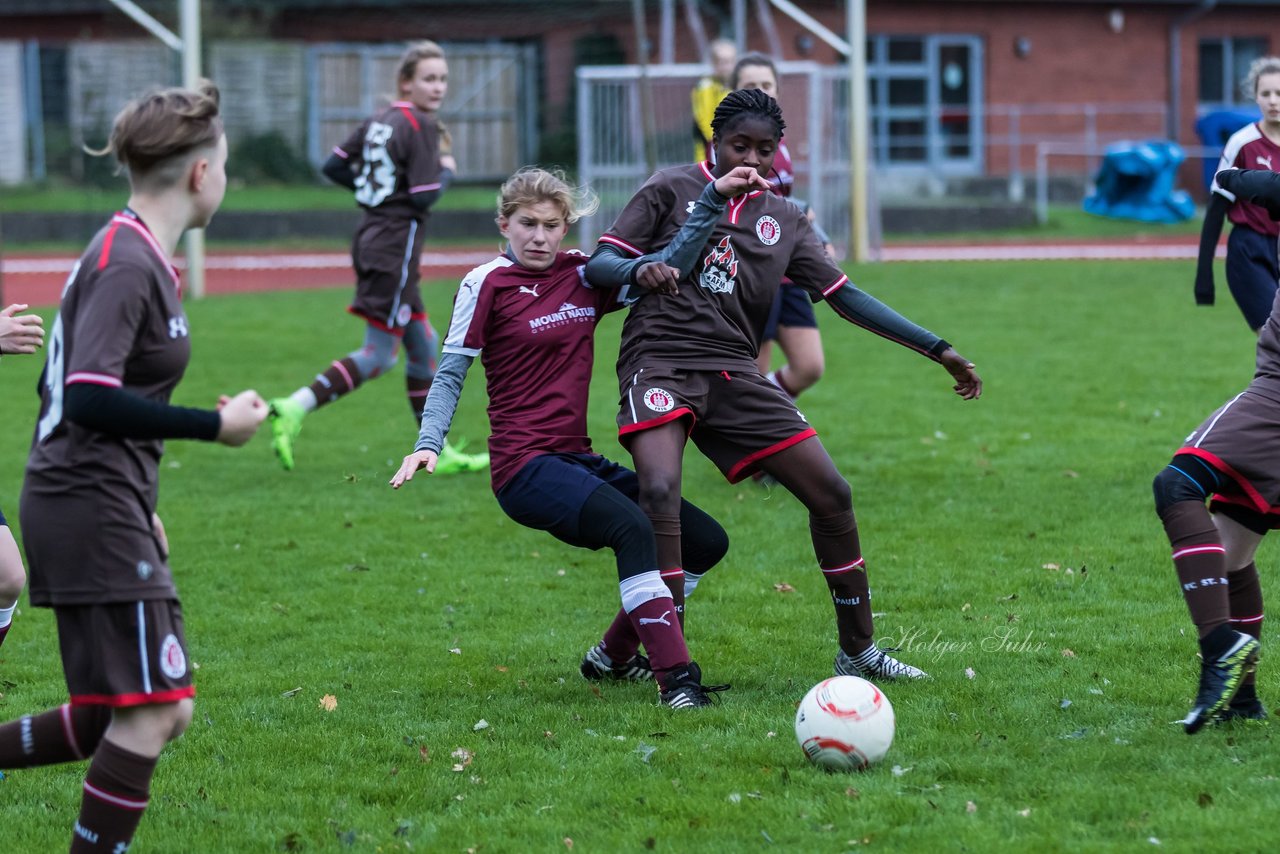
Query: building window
x,y
926,101
1224,62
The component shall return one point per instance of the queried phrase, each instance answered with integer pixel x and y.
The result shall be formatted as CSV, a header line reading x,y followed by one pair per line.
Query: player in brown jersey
x,y
531,315
19,333
687,365
1252,266
97,551
1232,461
398,162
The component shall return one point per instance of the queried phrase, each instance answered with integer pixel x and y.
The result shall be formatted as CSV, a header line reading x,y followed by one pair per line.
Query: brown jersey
x,y
88,497
1267,364
715,321
393,155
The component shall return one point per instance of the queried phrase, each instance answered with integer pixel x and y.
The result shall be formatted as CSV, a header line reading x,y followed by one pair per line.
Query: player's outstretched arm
x,y
1260,186
20,333
437,415
862,309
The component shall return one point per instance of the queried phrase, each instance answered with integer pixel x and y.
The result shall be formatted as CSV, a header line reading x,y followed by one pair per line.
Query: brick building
x,y
959,87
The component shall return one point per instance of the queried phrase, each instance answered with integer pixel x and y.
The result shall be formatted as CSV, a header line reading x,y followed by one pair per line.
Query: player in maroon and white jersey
x,y
398,163
531,316
792,322
19,333
687,362
97,551
1232,461
1252,266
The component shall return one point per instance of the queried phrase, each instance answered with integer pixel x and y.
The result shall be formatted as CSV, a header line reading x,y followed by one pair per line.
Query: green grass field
x,y
1011,543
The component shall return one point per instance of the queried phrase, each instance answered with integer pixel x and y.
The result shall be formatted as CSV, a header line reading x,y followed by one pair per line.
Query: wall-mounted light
x,y
1115,20
1022,47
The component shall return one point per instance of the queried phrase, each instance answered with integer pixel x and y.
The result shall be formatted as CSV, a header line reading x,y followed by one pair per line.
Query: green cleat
x,y
451,460
286,417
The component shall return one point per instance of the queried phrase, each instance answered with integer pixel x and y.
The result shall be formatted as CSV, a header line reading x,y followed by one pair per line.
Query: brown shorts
x,y
1242,440
736,418
124,653
386,253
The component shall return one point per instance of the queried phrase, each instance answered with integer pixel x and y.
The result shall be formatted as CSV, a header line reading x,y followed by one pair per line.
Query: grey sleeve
x,y
442,401
862,309
608,268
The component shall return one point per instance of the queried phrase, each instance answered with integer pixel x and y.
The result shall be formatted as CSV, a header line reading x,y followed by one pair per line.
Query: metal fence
x,y
614,136
60,97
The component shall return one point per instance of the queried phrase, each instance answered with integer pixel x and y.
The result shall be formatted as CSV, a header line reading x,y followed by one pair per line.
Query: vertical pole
x,y
646,88
859,248
189,26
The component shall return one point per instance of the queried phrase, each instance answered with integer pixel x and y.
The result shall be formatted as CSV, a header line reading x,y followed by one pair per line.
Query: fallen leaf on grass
x,y
1065,704
898,770
783,587
464,756
970,807
424,753
1052,566
328,702
456,651
968,672
1025,813
568,843
1066,653
851,792
1204,799
480,724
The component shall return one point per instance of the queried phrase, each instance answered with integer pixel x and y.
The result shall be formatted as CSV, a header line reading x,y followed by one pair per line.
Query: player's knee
x,y
660,493
703,545
182,712
832,496
1175,484
12,575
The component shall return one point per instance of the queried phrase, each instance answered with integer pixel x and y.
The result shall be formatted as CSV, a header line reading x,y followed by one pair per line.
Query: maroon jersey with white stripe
x,y
394,154
120,324
534,333
1249,148
716,320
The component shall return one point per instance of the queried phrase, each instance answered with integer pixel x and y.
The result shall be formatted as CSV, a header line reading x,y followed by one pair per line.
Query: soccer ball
x,y
845,724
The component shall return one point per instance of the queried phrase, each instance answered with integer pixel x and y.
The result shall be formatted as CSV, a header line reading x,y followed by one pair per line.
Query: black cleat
x,y
596,667
683,688
1248,710
1220,680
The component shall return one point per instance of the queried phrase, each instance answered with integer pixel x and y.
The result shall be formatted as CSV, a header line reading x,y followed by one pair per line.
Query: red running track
x,y
38,279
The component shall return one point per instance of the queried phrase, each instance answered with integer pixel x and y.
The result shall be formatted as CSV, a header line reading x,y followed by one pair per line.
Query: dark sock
x,y
342,377
1245,596
659,630
417,391
620,640
116,791
64,734
835,542
3,632
1199,558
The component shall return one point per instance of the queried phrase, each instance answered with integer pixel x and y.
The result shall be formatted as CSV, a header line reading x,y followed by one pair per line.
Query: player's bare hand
x,y
157,528
658,278
412,463
968,383
241,416
20,333
739,180
447,161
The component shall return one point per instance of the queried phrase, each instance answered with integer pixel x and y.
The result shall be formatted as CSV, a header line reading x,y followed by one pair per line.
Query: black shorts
x,y
791,307
736,418
124,653
1252,271
386,254
549,491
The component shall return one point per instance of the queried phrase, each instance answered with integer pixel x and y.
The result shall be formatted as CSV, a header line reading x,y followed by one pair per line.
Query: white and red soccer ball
x,y
845,724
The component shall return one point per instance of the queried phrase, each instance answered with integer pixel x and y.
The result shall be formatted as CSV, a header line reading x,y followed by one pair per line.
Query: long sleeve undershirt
x,y
442,401
121,413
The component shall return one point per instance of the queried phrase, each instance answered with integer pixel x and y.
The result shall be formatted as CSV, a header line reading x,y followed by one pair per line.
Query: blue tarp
x,y
1135,181
1214,129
